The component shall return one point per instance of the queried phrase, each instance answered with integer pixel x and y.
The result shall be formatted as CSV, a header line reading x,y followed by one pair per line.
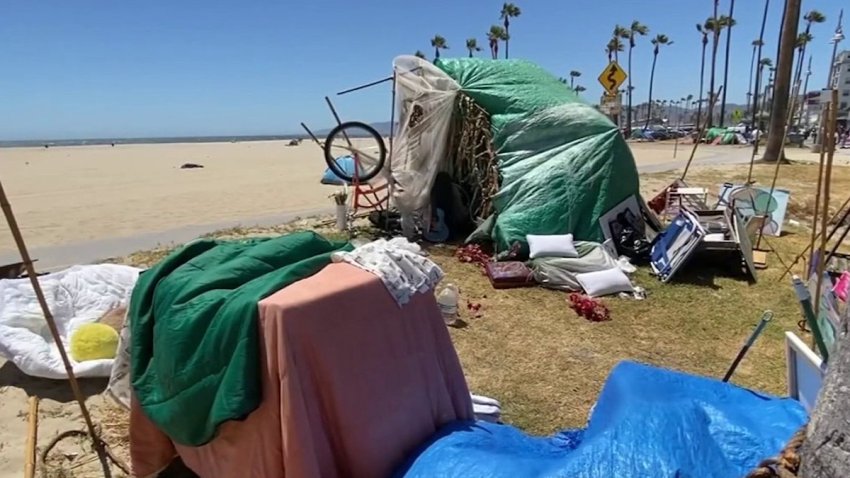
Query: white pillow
x,y
551,246
599,283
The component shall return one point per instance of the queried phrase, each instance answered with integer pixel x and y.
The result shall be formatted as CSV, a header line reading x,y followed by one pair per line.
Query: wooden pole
x,y
833,117
822,159
32,438
712,103
98,444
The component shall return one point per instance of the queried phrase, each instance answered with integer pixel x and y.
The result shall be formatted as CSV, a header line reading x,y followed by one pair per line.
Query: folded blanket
x,y
195,355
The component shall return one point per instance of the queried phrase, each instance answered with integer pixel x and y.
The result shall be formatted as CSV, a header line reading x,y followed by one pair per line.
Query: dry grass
x,y
546,365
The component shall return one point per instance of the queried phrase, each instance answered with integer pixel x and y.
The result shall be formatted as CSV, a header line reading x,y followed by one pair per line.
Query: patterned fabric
x,y
400,265
119,380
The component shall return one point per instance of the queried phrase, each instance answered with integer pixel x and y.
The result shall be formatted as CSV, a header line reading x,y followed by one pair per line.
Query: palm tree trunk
x,y
701,88
715,38
752,69
726,64
572,82
774,150
507,36
629,112
651,81
436,53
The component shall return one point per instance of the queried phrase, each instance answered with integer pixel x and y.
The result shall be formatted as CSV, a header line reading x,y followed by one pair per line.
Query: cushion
x,y
551,246
599,283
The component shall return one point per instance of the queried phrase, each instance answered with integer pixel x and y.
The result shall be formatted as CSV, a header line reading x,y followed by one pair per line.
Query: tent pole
x,y
97,443
390,156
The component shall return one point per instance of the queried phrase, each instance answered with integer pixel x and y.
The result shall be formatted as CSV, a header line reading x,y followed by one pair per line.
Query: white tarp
x,y
427,94
76,296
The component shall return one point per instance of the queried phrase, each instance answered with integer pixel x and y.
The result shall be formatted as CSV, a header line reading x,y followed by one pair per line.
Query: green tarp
x,y
563,163
195,358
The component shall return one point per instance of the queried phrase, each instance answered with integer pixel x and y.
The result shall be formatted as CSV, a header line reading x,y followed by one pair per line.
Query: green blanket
x,y
195,354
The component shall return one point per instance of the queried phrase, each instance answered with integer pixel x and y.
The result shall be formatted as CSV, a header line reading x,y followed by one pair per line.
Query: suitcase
x,y
507,275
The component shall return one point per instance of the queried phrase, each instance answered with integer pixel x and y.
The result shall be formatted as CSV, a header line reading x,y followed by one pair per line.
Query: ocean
x,y
105,141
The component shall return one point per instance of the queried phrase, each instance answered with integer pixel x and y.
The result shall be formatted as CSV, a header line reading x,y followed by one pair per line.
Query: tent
x,y
548,162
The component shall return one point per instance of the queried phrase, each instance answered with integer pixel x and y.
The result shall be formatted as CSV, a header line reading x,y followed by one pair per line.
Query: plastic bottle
x,y
447,300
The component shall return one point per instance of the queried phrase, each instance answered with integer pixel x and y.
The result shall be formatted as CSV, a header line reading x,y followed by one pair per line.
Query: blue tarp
x,y
648,422
346,163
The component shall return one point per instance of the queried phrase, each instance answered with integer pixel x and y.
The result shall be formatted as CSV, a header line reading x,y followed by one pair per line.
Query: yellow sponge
x,y
94,341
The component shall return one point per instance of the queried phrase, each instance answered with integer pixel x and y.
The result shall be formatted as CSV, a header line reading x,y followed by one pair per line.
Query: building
x,y
841,80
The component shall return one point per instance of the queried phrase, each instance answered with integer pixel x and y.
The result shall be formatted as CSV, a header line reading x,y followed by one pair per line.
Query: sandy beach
x,y
71,196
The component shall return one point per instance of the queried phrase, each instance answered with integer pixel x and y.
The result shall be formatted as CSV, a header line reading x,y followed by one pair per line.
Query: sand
x,y
72,195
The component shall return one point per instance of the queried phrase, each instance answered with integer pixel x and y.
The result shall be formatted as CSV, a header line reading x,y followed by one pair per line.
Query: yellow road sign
x,y
612,77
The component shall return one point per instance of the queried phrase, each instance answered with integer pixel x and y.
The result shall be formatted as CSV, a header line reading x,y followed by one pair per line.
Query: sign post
x,y
611,78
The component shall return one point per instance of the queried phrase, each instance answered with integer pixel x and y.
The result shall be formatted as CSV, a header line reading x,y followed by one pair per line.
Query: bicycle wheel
x,y
358,141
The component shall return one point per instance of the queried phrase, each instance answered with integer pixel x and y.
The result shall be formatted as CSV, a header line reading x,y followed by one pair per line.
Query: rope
x,y
786,464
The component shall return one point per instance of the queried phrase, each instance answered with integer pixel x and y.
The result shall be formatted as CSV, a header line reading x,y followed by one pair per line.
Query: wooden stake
x,y
833,118
32,438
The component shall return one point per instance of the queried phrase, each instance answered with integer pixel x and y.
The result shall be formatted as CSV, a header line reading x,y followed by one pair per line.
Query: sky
x,y
99,68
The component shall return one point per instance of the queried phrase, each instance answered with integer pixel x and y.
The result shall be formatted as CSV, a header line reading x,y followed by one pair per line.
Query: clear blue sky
x,y
75,69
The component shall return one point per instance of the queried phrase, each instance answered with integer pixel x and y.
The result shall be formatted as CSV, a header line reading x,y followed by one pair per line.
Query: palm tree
x,y
494,36
782,83
659,40
419,54
613,48
731,23
637,28
573,75
620,32
704,32
803,40
688,102
579,88
509,10
439,43
756,44
715,25
472,46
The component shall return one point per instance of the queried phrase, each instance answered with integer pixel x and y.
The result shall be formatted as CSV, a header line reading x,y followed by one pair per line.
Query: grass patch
x,y
546,365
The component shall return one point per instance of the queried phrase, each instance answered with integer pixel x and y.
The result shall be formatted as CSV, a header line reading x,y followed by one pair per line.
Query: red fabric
x,y
352,384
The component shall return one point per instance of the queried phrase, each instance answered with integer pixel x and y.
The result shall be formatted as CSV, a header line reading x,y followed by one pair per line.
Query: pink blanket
x,y
352,384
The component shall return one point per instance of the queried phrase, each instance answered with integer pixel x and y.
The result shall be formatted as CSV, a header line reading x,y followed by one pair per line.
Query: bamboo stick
x,y
32,438
833,117
838,218
822,161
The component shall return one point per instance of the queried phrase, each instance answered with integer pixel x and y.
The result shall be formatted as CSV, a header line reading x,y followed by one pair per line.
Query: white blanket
x,y
76,296
401,266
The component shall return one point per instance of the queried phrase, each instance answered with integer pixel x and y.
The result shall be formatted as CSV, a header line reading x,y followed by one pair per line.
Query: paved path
x,y
52,258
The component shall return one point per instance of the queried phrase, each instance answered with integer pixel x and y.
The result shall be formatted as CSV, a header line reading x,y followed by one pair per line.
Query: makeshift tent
x,y
647,422
548,164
